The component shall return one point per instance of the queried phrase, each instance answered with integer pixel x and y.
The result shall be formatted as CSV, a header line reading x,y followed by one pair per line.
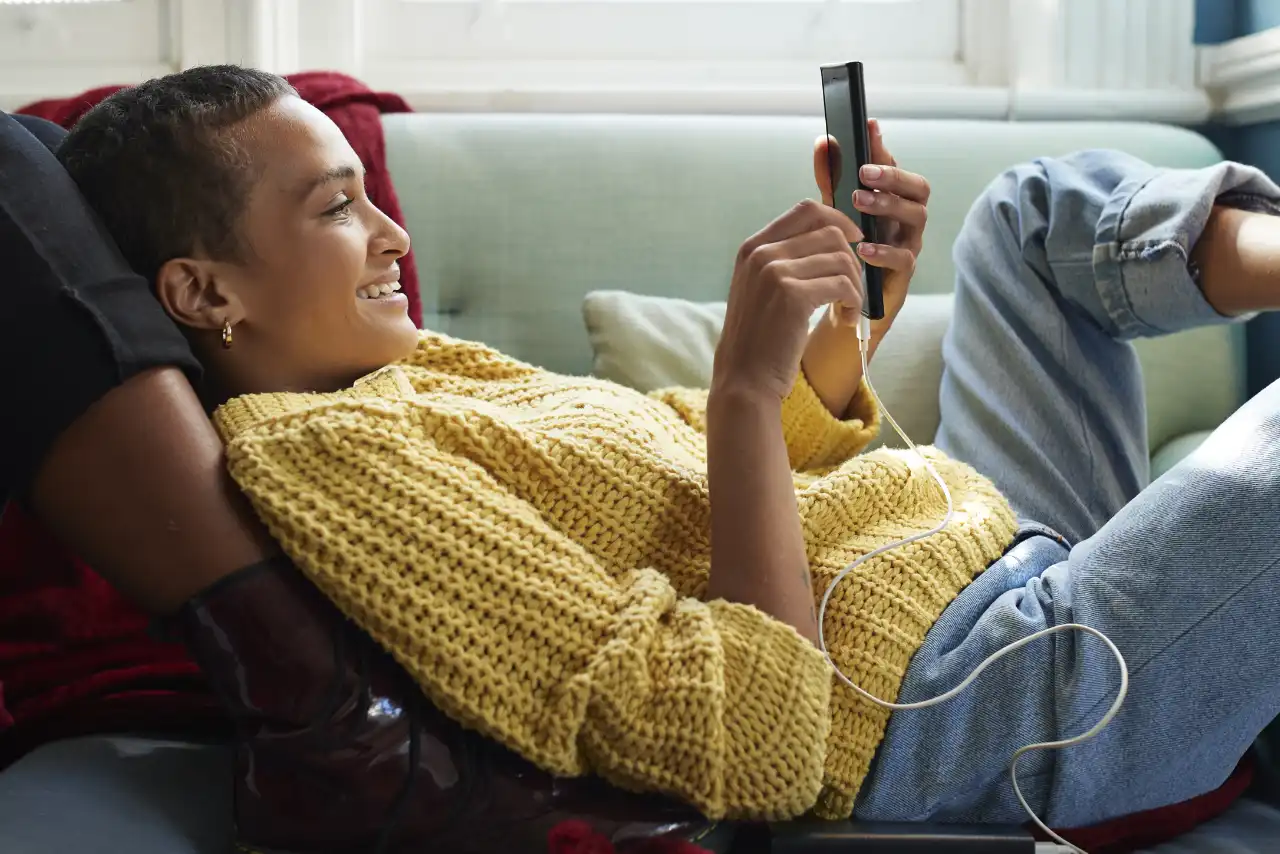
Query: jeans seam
x,y
1253,202
1133,673
1117,296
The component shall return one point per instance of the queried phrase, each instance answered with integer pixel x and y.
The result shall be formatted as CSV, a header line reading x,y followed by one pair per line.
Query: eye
x,y
339,211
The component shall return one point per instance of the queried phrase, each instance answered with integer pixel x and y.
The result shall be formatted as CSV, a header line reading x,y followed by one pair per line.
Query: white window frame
x,y
1242,77
55,62
1013,59
1016,59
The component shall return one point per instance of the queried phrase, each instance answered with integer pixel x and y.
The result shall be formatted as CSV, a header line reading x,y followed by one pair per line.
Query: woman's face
x,y
314,302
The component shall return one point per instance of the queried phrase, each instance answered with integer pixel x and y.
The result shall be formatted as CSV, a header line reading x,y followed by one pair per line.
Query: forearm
x,y
833,366
138,487
1238,255
757,544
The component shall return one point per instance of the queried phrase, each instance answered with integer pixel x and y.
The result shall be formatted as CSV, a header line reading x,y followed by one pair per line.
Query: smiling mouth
x,y
378,291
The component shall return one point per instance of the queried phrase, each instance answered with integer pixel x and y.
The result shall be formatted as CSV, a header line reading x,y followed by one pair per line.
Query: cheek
x,y
329,269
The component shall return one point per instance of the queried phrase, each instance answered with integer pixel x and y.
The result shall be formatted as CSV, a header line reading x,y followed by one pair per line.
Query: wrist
x,y
741,395
1238,255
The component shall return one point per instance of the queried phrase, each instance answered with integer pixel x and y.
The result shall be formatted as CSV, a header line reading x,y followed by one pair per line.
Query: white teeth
x,y
375,291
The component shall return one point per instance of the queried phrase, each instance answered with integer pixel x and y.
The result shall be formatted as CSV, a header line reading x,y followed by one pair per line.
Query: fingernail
x,y
875,126
871,172
866,249
864,198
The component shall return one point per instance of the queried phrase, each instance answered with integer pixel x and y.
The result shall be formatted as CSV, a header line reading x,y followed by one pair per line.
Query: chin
x,y
397,342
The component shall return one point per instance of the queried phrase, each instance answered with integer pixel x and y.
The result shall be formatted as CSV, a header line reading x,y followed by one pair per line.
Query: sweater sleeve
x,y
815,438
516,631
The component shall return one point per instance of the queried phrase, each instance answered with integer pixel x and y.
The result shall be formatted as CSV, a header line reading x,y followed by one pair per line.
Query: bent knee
x,y
1043,215
1005,229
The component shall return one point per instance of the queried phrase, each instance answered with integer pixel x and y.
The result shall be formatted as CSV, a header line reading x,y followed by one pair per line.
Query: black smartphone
x,y
844,101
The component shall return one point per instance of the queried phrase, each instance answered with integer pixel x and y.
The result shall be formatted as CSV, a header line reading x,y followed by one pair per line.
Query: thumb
x,y
879,154
822,172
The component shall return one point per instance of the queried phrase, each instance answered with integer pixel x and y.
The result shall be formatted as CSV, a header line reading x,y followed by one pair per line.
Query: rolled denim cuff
x,y
1142,250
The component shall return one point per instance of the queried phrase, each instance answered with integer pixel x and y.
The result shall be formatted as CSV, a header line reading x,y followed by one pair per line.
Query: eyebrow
x,y
328,176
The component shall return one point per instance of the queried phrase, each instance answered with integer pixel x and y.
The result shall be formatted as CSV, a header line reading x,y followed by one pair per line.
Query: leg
x,y
113,449
1183,579
1041,391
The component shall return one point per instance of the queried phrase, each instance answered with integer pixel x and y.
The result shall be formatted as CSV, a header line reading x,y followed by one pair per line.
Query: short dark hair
x,y
154,163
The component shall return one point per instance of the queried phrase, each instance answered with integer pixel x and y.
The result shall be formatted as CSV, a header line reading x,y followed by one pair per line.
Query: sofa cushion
x,y
1172,452
649,342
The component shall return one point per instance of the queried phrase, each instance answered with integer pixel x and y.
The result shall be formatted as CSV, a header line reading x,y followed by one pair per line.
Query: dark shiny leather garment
x,y
339,752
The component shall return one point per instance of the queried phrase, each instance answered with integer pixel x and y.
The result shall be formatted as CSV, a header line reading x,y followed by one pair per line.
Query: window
x,y
1044,59
54,48
954,58
45,46
717,55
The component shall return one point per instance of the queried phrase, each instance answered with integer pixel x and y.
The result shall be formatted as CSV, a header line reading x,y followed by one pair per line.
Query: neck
x,y
229,375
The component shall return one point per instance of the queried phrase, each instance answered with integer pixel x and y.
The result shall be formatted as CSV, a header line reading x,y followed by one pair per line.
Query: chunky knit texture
x,y
534,548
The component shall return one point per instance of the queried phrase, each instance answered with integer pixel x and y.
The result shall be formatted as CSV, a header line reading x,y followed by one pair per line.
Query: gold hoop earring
x,y
226,334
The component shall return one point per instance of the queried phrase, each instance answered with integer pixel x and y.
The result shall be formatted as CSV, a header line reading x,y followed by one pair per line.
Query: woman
x,y
288,238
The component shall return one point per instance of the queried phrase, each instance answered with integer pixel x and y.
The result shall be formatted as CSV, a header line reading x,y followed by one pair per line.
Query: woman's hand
x,y
801,261
831,362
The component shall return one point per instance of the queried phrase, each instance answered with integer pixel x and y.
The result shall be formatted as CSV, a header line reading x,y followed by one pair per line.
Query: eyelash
x,y
340,209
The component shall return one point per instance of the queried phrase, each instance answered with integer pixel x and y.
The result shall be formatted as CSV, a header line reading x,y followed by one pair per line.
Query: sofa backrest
x,y
515,218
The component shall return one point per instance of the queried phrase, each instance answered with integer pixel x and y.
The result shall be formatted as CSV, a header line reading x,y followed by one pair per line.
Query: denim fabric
x,y
1059,263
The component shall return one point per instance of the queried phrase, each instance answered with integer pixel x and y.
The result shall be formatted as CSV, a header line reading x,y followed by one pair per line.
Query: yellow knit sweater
x,y
533,549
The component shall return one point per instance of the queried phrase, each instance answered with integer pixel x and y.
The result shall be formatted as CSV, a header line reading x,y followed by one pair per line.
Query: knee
x,y
1046,212
1007,224
1055,198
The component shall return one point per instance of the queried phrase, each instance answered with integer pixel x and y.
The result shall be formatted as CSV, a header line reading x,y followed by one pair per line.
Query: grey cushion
x,y
648,342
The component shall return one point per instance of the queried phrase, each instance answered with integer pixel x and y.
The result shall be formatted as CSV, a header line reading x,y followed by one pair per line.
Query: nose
x,y
389,238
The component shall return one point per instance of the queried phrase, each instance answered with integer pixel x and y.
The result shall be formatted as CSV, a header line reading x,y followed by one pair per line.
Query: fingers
x,y
898,258
913,215
809,255
830,290
821,256
879,154
805,217
821,266
894,179
826,171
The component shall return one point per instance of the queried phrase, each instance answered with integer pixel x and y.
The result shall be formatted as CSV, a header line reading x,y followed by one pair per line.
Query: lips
x,y
378,291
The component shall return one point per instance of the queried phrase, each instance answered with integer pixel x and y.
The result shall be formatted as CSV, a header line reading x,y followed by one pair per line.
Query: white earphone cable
x,y
864,336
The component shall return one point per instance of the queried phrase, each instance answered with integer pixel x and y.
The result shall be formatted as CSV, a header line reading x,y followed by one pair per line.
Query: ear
x,y
195,296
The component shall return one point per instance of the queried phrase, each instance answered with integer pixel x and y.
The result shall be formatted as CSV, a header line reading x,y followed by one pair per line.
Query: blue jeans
x,y
1060,263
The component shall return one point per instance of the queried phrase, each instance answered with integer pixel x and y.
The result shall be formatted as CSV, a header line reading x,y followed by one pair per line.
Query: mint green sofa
x,y
516,218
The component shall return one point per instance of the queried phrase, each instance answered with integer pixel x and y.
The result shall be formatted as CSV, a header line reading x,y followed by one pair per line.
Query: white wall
x,y
978,58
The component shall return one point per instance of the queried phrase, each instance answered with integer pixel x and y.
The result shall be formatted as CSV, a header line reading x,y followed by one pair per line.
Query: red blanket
x,y
76,658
